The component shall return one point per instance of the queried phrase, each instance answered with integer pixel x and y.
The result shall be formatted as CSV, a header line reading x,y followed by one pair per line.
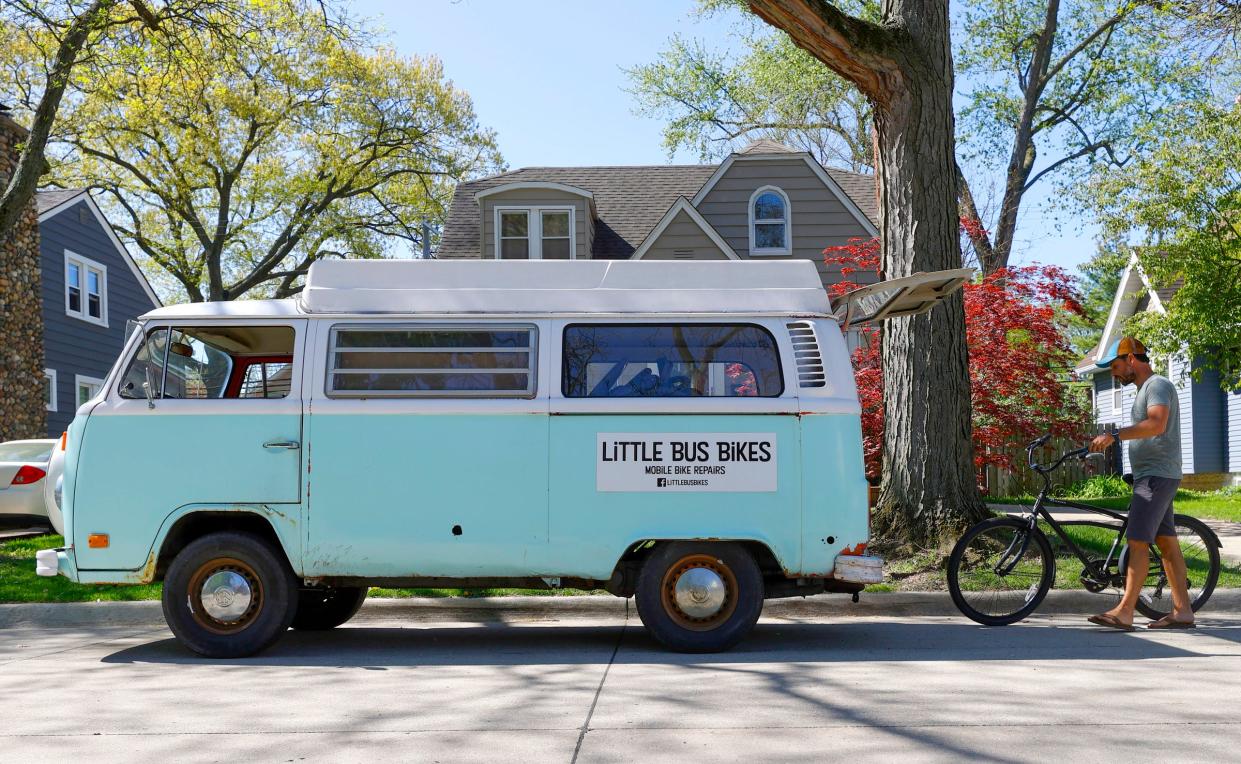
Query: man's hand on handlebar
x,y
1102,443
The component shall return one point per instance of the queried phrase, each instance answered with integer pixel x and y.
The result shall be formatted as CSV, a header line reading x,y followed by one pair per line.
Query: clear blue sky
x,y
547,77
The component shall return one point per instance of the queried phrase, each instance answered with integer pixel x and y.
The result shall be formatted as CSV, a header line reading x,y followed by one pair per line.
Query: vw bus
x,y
683,433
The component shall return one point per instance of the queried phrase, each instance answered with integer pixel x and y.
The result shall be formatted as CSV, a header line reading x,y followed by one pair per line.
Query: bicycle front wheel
x,y
1201,570
1000,571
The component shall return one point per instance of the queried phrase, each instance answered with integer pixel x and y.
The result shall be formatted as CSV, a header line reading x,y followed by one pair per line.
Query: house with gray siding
x,y
91,288
1210,415
767,201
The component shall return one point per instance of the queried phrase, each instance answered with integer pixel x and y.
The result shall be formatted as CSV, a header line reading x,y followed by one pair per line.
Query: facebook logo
x,y
661,482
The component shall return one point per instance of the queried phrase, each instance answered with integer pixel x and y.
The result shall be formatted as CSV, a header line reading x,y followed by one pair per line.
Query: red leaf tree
x,y
1016,329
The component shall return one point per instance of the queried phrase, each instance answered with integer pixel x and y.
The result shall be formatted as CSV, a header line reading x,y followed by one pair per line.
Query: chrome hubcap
x,y
700,592
226,596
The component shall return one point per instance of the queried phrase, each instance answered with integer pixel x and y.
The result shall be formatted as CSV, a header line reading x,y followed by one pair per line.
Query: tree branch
x,y
861,52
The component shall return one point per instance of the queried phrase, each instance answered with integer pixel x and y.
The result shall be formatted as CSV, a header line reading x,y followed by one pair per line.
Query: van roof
x,y
445,287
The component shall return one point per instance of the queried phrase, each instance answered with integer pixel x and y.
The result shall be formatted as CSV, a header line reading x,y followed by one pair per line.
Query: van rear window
x,y
670,361
433,361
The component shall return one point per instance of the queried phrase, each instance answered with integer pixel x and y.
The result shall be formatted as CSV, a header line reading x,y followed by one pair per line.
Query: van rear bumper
x,y
56,562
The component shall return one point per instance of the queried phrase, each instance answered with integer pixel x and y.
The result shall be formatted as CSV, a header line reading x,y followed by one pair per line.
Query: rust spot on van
x,y
146,574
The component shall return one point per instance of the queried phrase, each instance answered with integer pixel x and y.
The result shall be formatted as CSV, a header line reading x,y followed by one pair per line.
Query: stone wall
x,y
22,408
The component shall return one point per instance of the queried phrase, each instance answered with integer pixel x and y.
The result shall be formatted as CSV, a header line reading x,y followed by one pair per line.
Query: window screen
x,y
670,360
433,361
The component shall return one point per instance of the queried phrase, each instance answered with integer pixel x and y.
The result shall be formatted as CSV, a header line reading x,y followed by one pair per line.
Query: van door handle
x,y
291,445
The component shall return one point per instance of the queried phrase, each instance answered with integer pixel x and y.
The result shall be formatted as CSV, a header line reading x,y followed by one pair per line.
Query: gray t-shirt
x,y
1159,456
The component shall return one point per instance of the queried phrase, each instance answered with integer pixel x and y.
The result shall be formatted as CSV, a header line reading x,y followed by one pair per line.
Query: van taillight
x,y
28,474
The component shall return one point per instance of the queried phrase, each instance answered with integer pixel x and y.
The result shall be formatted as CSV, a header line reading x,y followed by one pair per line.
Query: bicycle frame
x,y
1044,500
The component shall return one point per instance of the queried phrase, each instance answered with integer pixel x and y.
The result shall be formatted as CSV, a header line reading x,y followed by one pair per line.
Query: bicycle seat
x,y
1127,477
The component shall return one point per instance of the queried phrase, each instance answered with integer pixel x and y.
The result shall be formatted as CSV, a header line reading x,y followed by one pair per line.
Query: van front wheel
x,y
699,597
229,595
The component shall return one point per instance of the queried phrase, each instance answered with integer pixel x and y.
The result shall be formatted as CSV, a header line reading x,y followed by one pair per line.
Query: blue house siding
x,y
1232,409
73,346
1209,424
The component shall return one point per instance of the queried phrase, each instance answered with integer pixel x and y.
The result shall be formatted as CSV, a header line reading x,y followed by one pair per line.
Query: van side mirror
x,y
150,386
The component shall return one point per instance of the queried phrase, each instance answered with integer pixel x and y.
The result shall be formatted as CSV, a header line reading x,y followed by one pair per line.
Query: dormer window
x,y
538,233
770,222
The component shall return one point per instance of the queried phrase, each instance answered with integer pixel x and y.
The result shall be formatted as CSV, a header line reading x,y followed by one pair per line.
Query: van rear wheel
x,y
320,609
699,597
229,595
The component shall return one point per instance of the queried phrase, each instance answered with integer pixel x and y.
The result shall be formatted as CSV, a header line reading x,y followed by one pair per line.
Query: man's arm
x,y
1155,423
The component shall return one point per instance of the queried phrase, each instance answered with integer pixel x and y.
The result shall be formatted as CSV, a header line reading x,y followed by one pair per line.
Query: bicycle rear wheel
x,y
1201,569
1000,571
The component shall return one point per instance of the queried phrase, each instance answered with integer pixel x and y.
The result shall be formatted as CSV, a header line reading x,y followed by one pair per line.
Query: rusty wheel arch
x,y
624,577
197,524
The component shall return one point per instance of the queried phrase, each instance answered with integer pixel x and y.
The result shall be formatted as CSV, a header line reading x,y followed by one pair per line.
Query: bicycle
x,y
1002,568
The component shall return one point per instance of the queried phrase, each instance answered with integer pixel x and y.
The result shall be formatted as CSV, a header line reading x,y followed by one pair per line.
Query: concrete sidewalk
x,y
564,609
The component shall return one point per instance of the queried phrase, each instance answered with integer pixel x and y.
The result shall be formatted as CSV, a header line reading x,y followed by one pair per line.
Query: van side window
x,y
490,361
670,361
212,362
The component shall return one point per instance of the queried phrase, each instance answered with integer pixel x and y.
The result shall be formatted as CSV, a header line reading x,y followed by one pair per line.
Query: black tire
x,y
321,609
731,578
999,597
1202,565
197,622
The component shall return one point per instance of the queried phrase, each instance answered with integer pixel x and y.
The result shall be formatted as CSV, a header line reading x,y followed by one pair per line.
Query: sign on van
x,y
729,462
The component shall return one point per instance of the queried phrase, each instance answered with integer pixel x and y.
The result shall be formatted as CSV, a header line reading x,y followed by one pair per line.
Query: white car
x,y
23,470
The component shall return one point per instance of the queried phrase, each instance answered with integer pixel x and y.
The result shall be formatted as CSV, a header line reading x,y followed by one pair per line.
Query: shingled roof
x,y
629,201
54,197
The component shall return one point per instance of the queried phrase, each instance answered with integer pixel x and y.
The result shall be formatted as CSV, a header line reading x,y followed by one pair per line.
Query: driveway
x,y
597,689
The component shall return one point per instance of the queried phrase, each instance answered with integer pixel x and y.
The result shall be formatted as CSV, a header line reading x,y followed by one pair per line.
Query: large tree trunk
x,y
905,66
929,488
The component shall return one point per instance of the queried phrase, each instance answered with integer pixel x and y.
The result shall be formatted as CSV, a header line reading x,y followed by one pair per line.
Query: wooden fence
x,y
1020,479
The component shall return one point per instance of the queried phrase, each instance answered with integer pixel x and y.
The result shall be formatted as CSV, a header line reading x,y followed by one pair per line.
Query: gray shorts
x,y
1150,509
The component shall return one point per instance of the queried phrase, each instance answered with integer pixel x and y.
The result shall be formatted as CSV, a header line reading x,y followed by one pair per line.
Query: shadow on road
x,y
376,648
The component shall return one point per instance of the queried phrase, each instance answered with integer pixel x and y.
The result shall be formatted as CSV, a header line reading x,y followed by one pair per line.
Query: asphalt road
x,y
596,689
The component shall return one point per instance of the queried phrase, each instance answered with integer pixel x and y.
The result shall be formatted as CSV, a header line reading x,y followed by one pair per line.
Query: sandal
x,y
1167,622
1111,622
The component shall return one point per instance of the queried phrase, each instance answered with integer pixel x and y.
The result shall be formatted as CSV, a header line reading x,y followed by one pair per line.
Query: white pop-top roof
x,y
550,287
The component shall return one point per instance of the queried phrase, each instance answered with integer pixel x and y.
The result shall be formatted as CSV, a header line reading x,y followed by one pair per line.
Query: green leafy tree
x,y
1180,205
65,34
233,168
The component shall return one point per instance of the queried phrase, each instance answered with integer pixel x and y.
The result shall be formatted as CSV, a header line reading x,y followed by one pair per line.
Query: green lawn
x,y
1212,505
18,582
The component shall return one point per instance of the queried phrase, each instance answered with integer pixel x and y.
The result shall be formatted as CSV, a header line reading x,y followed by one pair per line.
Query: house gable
x,y
819,213
78,349
683,234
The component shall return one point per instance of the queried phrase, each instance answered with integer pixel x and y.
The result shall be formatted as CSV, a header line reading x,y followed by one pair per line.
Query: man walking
x,y
1155,456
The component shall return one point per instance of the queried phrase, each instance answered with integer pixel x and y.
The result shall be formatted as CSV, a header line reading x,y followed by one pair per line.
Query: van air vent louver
x,y
810,372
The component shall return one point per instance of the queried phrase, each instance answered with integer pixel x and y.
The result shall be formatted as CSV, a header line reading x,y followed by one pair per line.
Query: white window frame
x,y
1116,397
534,229
787,221
81,379
50,374
85,264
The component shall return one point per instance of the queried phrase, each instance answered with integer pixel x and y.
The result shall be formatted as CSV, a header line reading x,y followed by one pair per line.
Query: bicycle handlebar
x,y
1045,469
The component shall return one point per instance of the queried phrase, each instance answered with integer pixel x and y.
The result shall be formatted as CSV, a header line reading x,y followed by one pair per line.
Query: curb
x,y
149,614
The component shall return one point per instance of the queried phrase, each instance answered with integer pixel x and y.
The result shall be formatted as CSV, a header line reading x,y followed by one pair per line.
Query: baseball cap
x,y
1121,347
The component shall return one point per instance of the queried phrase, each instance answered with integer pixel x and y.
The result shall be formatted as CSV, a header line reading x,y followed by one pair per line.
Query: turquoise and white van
x,y
685,433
